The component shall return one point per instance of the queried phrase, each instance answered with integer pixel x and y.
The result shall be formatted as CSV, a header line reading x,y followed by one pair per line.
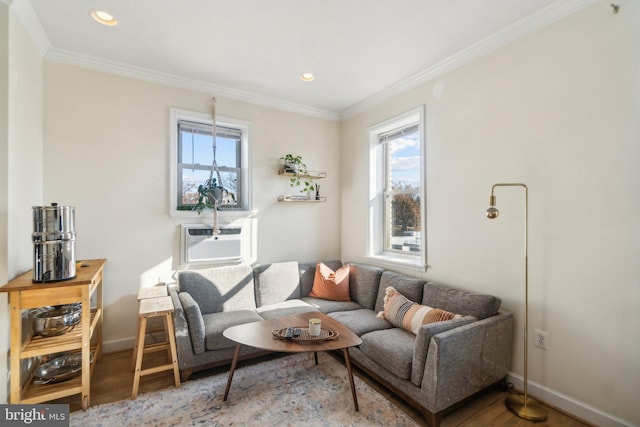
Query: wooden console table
x,y
24,294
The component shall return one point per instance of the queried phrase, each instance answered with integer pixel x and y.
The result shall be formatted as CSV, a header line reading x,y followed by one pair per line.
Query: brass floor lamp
x,y
521,405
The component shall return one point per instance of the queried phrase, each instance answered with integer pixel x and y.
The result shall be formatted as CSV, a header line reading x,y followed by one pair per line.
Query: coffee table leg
x,y
350,372
231,371
315,355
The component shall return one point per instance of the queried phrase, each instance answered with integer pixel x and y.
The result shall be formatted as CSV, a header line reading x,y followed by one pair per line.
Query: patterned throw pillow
x,y
409,315
331,285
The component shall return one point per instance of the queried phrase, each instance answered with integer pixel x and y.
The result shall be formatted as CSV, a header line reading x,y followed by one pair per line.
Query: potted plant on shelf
x,y
299,173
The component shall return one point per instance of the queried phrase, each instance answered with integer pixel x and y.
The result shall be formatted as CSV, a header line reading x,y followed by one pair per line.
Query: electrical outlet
x,y
540,339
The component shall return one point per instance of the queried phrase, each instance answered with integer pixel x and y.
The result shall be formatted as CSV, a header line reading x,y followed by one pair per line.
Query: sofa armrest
x,y
181,328
464,360
194,321
425,333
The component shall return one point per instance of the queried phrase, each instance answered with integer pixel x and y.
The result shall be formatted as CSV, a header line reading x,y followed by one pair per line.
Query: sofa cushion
x,y
277,282
364,281
219,289
328,306
284,308
330,284
410,287
457,301
390,348
361,321
216,323
194,321
307,271
410,315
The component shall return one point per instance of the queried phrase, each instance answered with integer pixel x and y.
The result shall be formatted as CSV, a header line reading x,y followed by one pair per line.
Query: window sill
x,y
398,261
208,214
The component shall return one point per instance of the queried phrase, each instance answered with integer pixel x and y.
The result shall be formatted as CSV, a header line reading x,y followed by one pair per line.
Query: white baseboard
x,y
123,344
115,346
568,404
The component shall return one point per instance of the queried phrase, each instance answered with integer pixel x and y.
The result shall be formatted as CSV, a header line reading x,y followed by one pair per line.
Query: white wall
x,y
4,194
25,144
107,154
559,111
20,157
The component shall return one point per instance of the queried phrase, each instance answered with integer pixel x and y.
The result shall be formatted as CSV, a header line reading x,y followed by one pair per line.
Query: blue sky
x,y
405,160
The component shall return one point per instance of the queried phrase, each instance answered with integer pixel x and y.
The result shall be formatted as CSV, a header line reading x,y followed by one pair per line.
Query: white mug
x,y
314,326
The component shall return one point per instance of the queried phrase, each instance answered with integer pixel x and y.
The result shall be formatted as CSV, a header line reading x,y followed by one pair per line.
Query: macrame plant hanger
x,y
215,192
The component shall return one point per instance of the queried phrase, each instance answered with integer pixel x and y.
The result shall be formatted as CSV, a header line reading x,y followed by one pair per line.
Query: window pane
x,y
196,148
402,223
230,184
191,179
403,162
227,152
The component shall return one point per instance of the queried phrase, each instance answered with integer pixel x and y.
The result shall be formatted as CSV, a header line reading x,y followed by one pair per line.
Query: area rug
x,y
287,391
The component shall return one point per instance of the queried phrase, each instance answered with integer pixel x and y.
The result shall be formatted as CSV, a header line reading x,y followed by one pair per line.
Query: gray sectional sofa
x,y
439,367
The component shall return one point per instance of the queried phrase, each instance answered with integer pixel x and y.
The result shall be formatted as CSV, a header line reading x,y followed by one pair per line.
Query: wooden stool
x,y
144,293
149,308
152,292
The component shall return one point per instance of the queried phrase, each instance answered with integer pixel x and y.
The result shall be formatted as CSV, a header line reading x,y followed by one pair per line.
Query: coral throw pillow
x,y
331,285
409,315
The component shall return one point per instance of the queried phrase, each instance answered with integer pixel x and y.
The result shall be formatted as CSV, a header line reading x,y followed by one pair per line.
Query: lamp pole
x,y
522,406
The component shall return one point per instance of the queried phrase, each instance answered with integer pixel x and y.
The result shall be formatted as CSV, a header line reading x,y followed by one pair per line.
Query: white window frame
x,y
375,227
176,115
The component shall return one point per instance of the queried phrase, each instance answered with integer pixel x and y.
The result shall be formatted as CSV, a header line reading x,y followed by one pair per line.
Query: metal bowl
x,y
52,321
60,369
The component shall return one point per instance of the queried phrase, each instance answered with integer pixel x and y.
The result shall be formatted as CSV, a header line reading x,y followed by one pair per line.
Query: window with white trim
x,y
397,195
193,150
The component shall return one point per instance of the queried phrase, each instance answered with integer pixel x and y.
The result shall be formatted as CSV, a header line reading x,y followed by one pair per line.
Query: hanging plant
x,y
209,195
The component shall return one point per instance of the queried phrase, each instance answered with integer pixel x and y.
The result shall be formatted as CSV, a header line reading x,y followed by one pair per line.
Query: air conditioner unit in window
x,y
199,245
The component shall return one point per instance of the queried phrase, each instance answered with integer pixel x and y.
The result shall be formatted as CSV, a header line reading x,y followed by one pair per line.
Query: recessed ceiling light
x,y
104,18
307,77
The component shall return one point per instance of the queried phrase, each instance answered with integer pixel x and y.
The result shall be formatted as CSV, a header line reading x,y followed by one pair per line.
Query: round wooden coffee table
x,y
259,335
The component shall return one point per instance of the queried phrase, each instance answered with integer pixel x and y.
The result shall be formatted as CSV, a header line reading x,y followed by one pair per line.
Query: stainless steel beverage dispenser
x,y
54,239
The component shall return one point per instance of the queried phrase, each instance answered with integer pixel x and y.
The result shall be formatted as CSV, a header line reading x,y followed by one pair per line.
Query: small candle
x,y
314,326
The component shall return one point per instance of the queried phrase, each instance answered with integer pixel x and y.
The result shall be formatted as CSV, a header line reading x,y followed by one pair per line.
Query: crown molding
x,y
547,16
31,23
126,70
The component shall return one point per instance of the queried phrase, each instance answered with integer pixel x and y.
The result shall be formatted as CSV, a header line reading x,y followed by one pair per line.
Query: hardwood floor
x,y
113,380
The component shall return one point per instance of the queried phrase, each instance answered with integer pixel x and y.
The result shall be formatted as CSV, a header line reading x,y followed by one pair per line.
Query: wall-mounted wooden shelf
x,y
310,174
296,200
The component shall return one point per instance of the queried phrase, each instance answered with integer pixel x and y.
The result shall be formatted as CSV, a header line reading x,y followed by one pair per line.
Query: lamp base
x,y
532,411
